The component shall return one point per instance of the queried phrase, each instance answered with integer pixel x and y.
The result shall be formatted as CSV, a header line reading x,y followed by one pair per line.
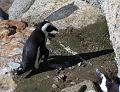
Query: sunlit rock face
x,y
63,13
13,35
111,9
18,8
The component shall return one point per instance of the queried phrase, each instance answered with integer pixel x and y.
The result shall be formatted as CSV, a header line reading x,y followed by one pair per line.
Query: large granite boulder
x,y
12,38
5,4
63,13
18,8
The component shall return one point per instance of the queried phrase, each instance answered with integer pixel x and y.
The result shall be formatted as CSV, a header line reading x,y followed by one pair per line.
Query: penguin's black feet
x,y
19,72
35,71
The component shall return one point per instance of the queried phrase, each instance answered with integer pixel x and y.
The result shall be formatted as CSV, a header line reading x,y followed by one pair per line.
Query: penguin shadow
x,y
63,12
67,61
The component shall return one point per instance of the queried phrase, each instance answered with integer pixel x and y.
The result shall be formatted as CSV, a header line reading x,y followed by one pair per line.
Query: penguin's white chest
x,y
103,84
36,66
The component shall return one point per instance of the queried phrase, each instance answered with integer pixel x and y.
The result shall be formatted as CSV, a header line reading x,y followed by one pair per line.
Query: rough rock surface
x,y
6,80
5,4
111,9
18,8
10,51
8,28
85,86
64,13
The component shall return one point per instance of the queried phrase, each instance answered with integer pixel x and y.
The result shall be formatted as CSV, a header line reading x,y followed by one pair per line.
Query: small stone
x,y
77,78
56,80
54,86
48,42
48,76
84,65
79,64
72,83
62,77
72,67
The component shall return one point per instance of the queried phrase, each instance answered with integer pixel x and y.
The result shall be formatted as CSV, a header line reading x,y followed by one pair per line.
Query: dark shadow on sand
x,y
68,61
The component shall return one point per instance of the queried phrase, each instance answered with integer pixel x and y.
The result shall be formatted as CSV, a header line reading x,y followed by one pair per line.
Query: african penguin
x,y
105,83
35,46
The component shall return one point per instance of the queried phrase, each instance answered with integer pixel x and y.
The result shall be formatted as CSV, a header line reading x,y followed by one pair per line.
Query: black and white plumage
x,y
106,84
35,46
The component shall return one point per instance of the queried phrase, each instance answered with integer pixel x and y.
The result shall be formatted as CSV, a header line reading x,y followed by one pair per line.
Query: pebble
x,y
72,83
54,86
72,67
79,64
56,80
60,77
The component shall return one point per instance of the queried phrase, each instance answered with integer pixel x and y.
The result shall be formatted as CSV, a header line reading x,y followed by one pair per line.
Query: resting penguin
x,y
35,46
106,84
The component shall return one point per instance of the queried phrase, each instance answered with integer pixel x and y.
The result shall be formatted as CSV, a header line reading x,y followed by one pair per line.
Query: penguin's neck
x,y
46,33
44,28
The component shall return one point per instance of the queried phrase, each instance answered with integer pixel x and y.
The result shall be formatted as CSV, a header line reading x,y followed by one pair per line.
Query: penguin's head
x,y
46,26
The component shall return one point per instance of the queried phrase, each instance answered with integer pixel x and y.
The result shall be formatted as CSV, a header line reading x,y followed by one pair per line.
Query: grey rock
x,y
5,4
7,83
111,10
63,14
79,64
56,80
72,83
72,67
18,8
54,86
59,78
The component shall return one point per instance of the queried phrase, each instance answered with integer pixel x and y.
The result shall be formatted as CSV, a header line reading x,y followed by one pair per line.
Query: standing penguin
x,y
106,85
35,46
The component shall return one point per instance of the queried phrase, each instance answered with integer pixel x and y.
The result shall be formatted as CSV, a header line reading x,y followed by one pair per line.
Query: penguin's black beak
x,y
51,28
54,28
